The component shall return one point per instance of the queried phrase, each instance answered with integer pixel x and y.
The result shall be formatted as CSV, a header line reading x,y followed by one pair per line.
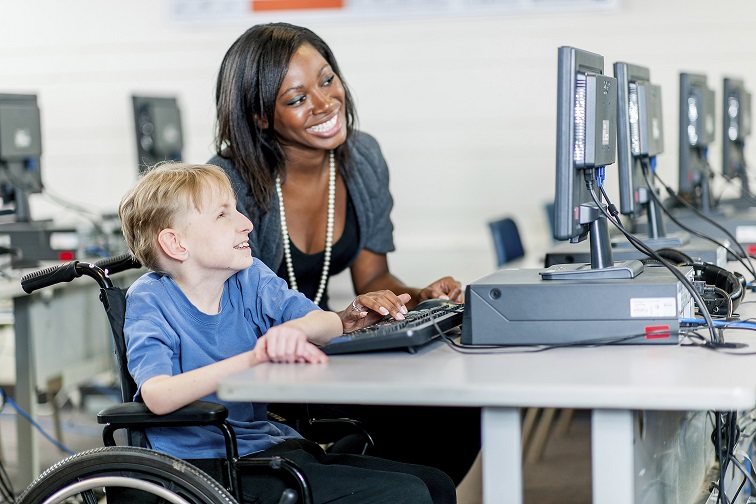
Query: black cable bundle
x,y
725,436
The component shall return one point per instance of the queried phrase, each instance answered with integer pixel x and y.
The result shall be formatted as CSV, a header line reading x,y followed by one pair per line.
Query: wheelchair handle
x,y
118,263
63,273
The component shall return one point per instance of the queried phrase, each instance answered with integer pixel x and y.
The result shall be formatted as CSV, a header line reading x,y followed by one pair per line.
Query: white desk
x,y
613,381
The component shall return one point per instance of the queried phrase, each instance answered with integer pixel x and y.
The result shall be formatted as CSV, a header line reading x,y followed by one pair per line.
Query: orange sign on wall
x,y
276,5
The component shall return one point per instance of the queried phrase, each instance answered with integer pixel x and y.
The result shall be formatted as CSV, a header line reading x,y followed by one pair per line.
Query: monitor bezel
x,y
733,87
146,158
691,178
570,185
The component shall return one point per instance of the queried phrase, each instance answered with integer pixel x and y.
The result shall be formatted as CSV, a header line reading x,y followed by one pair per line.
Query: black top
x,y
308,268
367,183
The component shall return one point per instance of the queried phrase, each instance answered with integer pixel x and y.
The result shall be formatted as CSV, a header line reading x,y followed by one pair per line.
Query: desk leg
x,y
502,455
28,454
612,458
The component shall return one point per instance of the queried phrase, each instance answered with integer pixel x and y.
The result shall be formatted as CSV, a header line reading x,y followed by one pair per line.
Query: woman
x,y
317,193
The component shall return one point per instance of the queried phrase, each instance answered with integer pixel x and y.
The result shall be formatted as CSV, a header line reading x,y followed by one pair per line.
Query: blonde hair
x,y
161,193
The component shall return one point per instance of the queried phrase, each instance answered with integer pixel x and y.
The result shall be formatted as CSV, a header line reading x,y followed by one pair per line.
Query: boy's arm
x,y
284,341
287,342
164,394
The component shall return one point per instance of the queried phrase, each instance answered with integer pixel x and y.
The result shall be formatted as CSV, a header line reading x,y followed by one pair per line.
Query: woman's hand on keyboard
x,y
369,308
445,288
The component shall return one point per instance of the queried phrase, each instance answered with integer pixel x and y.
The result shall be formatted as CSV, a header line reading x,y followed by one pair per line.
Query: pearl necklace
x,y
329,231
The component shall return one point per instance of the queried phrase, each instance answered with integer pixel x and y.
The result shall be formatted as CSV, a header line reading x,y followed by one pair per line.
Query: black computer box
x,y
29,244
518,307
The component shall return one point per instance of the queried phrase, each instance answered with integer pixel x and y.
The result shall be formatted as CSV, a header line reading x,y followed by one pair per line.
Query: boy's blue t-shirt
x,y
167,335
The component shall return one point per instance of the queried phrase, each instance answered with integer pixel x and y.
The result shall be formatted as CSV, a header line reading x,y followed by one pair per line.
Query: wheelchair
x,y
154,476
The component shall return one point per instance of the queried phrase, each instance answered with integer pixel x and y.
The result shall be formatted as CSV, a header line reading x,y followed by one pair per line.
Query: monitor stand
x,y
600,263
739,204
739,223
569,253
671,240
620,270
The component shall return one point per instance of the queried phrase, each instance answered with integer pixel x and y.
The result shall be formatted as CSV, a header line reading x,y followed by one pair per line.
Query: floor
x,y
561,477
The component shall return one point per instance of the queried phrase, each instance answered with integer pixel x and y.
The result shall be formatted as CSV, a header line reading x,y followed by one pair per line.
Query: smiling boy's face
x,y
215,233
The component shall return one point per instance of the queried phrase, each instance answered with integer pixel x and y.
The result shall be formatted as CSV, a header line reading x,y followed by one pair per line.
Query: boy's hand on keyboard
x,y
369,308
286,343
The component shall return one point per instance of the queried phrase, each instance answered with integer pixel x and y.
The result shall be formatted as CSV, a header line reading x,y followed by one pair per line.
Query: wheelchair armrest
x,y
136,415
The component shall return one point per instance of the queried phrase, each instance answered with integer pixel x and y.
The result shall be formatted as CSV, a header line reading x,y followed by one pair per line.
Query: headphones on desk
x,y
724,287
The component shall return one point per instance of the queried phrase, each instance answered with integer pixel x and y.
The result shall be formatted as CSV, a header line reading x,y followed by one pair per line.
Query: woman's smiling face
x,y
310,108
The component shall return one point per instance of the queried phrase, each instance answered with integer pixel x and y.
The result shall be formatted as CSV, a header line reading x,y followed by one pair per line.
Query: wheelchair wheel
x,y
157,477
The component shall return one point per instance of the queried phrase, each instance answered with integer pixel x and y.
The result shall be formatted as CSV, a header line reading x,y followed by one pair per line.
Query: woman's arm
x,y
370,273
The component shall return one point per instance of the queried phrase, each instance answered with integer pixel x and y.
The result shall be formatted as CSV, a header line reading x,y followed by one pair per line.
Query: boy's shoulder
x,y
257,270
150,289
148,281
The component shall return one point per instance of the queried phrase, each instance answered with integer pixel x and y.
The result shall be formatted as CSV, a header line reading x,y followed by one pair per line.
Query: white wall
x,y
464,107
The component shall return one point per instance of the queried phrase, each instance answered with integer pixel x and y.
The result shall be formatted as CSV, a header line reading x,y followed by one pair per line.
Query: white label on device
x,y
653,307
605,132
745,234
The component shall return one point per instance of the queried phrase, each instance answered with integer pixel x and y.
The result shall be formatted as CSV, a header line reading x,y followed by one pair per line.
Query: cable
x,y
725,324
746,193
746,474
717,435
645,249
28,418
680,200
6,486
500,349
739,256
725,437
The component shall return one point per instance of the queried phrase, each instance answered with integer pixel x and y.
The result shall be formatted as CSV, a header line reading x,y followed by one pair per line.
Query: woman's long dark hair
x,y
250,76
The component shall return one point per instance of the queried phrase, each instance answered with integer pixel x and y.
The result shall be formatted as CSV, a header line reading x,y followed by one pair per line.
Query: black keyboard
x,y
417,329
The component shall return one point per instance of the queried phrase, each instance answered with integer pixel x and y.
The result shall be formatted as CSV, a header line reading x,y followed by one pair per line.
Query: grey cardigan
x,y
368,187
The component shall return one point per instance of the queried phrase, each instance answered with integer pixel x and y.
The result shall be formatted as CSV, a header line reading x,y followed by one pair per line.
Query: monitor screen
x,y
640,134
697,111
736,126
640,138
586,143
20,152
586,137
157,121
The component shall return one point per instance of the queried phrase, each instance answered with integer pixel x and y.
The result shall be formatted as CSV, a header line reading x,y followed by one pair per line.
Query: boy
x,y
208,310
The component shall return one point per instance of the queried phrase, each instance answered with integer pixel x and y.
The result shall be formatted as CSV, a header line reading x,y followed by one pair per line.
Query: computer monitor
x,y
20,152
640,137
736,126
159,137
586,143
697,111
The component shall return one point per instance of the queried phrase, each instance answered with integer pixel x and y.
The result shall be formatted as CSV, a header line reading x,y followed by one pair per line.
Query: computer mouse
x,y
432,303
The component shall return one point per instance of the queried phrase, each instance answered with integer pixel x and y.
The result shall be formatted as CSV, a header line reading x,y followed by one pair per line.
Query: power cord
x,y
725,437
741,255
7,493
34,423
612,214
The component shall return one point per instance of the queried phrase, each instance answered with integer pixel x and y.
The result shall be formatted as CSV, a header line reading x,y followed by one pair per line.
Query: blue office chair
x,y
507,242
537,422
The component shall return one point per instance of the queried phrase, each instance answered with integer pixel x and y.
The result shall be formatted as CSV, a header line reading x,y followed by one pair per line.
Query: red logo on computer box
x,y
657,332
276,5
